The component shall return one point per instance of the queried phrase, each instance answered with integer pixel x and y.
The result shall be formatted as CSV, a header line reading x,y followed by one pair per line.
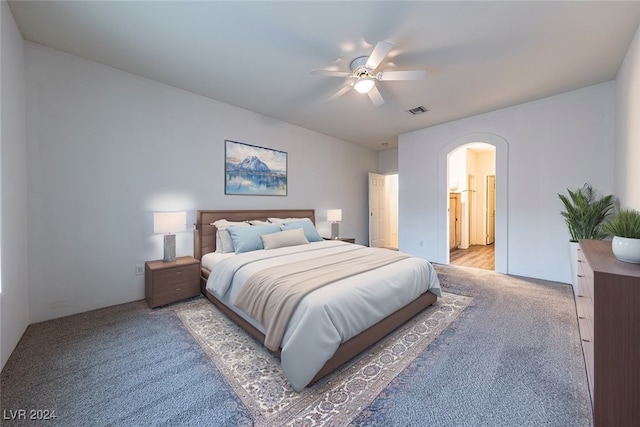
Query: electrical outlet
x,y
139,269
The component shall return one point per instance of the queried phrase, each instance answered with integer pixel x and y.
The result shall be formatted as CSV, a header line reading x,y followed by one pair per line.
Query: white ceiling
x,y
479,56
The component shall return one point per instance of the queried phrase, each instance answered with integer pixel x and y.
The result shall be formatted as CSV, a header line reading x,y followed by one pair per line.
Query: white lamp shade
x,y
169,222
334,215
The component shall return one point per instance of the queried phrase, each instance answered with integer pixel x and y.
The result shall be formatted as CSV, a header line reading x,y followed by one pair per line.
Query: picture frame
x,y
253,170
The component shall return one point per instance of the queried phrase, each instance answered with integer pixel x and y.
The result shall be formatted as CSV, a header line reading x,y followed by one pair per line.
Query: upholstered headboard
x,y
204,234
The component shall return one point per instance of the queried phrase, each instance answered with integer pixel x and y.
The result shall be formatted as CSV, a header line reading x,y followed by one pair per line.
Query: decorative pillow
x,y
284,238
309,229
246,239
224,244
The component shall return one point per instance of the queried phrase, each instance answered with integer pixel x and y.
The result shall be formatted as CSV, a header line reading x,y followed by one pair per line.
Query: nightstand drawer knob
x,y
586,340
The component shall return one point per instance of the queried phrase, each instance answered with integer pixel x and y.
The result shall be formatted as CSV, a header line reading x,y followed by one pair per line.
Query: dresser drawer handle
x,y
586,340
580,275
178,289
581,317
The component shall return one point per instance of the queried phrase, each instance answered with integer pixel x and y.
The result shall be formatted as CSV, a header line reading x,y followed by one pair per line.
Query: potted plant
x,y
584,215
625,229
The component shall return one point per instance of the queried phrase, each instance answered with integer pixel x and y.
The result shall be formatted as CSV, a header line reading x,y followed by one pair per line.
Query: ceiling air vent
x,y
418,110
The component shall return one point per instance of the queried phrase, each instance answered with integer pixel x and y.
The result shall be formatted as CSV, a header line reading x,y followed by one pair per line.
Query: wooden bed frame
x,y
204,241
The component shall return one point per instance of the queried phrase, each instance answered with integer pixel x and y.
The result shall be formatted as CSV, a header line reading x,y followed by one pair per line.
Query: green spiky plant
x,y
626,223
586,212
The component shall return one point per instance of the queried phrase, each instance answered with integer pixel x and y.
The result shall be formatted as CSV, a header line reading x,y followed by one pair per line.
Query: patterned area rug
x,y
254,372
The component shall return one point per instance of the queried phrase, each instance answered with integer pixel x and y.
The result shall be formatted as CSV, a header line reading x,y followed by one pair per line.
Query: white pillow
x,y
222,224
224,244
281,239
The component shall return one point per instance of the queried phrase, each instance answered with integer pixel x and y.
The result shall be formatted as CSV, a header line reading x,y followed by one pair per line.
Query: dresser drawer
x,y
584,308
586,330
585,276
587,350
584,288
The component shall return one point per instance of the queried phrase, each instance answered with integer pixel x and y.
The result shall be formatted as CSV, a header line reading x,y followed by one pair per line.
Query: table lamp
x,y
335,216
169,222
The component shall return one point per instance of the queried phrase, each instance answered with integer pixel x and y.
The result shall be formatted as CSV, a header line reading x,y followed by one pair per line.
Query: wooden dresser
x,y
608,307
167,282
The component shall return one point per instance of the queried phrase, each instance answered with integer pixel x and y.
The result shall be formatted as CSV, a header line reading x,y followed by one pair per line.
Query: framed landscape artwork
x,y
253,170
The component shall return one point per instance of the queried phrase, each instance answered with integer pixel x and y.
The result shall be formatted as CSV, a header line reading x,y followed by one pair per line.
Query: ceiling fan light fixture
x,y
364,84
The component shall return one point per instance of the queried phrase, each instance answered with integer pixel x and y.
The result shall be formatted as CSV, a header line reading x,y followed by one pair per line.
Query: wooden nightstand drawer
x,y
167,282
172,293
172,276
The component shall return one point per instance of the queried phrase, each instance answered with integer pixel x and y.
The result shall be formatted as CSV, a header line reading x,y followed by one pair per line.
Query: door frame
x,y
502,213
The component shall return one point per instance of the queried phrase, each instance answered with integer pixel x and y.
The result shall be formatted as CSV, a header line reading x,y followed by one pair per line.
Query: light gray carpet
x,y
512,358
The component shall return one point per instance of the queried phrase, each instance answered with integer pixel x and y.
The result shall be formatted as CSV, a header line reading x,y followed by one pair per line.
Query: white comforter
x,y
332,314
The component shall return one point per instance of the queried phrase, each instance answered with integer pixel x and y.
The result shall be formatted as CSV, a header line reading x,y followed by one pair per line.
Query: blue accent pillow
x,y
246,239
309,229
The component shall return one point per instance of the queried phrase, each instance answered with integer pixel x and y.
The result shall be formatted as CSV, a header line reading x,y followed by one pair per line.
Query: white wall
x,y
14,292
457,171
555,143
388,161
107,148
627,161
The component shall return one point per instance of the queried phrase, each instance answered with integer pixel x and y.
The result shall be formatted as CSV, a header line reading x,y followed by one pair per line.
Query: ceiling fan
x,y
363,71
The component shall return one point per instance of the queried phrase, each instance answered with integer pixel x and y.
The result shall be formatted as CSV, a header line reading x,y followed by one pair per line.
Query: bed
x,y
330,324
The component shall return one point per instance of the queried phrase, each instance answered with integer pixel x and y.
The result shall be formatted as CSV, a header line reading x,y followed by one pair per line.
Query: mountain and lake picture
x,y
253,170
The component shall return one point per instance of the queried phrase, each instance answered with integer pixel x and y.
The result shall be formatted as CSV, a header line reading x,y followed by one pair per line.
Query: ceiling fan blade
x,y
376,98
378,54
331,73
338,94
401,75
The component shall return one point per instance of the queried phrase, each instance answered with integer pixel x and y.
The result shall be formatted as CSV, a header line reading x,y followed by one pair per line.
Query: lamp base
x,y
335,232
169,247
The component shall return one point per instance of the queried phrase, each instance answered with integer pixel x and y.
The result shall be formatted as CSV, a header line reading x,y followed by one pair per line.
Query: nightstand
x,y
343,239
167,282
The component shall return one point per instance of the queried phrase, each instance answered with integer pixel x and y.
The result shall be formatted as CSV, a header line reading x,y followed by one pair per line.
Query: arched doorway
x,y
501,194
471,182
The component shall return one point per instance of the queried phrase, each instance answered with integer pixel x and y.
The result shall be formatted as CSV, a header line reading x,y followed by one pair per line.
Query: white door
x,y
376,209
392,211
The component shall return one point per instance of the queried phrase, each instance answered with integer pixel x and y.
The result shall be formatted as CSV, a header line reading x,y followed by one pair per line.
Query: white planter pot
x,y
625,249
